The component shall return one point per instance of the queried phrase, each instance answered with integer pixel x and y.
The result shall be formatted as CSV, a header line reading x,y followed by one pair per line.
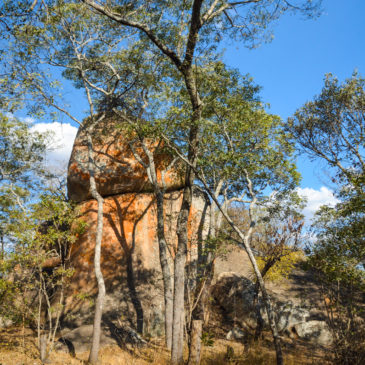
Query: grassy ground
x,y
19,348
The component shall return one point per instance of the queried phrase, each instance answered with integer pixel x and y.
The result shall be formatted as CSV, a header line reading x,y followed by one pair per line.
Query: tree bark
x,y
180,258
95,343
195,341
182,223
43,347
179,280
165,267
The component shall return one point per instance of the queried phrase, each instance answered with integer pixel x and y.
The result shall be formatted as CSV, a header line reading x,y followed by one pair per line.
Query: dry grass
x,y
17,348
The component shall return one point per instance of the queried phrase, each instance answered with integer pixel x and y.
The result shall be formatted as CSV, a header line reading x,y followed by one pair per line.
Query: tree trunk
x,y
166,271
259,319
179,280
43,347
198,315
195,341
268,306
95,344
182,223
182,235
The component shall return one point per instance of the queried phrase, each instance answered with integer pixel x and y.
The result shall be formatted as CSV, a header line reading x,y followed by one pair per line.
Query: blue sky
x,y
290,70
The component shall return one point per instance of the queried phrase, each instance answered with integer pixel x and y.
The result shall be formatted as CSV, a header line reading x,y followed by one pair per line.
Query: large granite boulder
x,y
117,170
130,252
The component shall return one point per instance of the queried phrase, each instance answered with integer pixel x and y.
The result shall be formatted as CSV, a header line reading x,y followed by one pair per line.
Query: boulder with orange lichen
x,y
117,170
130,251
129,258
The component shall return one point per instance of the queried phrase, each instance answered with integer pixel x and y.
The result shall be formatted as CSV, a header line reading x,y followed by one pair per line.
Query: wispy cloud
x,y
62,141
316,198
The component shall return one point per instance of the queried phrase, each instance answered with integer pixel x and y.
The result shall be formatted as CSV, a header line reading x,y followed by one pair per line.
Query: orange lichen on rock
x,y
130,251
116,168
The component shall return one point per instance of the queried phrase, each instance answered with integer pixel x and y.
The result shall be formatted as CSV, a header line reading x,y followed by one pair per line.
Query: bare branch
x,y
143,27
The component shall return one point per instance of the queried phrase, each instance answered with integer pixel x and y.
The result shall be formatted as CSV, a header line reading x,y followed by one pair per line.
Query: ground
x,y
18,347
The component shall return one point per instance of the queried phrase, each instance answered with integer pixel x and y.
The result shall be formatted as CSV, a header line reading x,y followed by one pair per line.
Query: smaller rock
x,y
314,331
5,322
79,340
288,315
235,334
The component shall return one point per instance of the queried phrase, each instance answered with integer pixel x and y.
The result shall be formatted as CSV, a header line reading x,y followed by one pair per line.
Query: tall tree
x,y
244,153
57,36
182,31
331,128
21,161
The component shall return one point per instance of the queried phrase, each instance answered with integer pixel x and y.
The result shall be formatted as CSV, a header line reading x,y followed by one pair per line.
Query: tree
x,y
331,128
276,240
52,37
35,271
35,225
244,152
21,159
180,31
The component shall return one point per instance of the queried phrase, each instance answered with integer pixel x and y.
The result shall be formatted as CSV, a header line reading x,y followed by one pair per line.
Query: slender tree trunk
x,y
265,297
198,315
179,280
267,303
195,341
165,267
43,347
182,223
180,258
196,328
165,261
2,246
259,319
95,344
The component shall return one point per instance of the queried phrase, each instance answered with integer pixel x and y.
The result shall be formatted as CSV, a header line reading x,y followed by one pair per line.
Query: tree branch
x,y
143,27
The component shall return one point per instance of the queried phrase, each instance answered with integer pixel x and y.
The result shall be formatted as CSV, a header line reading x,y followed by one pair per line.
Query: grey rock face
x,y
79,339
235,334
314,331
5,322
288,315
235,294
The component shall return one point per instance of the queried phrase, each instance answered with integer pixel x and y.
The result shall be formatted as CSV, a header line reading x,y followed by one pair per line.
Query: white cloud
x,y
61,145
316,198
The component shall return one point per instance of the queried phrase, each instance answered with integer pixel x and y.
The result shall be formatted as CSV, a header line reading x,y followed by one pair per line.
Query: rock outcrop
x,y
235,295
130,252
117,170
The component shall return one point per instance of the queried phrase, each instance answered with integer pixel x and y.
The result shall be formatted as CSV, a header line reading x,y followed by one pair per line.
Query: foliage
x,y
36,272
185,35
208,339
283,266
332,128
37,228
21,170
